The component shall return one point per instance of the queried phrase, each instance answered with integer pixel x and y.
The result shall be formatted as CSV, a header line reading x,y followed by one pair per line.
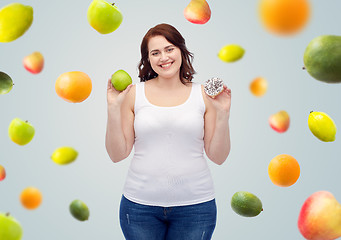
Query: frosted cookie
x,y
213,86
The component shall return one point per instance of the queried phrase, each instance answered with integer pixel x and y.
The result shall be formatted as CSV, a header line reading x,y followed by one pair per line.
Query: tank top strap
x,y
197,95
139,96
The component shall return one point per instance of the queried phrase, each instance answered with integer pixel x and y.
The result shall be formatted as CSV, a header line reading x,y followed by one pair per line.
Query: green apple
x,y
121,80
103,16
15,20
6,83
10,228
21,132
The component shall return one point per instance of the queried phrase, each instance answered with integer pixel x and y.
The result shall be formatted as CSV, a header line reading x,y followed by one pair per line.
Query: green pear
x,y
10,228
104,17
21,132
121,80
6,83
15,20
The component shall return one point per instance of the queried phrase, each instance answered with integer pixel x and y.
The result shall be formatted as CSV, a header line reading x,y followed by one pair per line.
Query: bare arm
x,y
120,135
217,132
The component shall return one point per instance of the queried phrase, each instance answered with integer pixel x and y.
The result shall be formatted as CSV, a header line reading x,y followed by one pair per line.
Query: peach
x,y
279,121
34,62
320,217
258,86
198,12
2,173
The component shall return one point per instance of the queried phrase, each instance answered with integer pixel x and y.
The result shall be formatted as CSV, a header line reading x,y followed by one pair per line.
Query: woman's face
x,y
164,57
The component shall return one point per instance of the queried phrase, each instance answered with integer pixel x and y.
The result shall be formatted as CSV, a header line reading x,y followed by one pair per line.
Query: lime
x,y
79,210
322,126
64,155
246,204
6,83
231,53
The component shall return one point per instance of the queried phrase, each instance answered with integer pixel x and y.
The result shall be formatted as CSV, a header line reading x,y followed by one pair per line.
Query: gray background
x,y
60,31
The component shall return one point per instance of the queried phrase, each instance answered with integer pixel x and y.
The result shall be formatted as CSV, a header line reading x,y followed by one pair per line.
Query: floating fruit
x,y
320,217
280,121
121,80
284,170
21,132
284,17
10,228
104,17
322,58
64,155
34,62
73,86
15,20
197,11
31,198
2,173
246,204
231,53
258,86
79,210
322,126
6,83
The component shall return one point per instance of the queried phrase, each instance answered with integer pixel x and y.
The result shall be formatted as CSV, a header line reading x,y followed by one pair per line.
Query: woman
x,y
170,120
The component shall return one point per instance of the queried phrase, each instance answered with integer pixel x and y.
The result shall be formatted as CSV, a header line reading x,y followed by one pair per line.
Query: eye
x,y
170,49
155,53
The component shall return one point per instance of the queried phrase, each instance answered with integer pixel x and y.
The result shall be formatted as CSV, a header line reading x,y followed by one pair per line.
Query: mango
x,y
322,58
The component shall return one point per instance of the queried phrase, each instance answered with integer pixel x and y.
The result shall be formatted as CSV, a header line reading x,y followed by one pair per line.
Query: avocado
x,y
322,58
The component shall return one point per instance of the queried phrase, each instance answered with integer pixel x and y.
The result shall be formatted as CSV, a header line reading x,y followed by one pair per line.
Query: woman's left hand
x,y
222,102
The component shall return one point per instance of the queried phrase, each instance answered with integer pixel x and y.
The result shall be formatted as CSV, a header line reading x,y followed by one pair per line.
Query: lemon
x,y
64,155
322,126
15,20
231,53
79,210
246,204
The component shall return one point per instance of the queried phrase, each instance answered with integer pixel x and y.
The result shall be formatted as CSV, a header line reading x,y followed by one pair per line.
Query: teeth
x,y
167,65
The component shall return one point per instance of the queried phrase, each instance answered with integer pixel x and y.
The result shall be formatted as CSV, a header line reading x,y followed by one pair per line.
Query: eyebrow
x,y
164,48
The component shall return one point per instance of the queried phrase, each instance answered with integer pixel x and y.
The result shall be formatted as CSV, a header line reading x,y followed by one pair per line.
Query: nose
x,y
164,56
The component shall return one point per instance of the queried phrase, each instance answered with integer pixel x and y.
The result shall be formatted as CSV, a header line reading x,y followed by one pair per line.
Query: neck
x,y
168,83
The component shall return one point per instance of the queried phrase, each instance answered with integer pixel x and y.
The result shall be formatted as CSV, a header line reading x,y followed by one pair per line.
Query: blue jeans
x,y
143,222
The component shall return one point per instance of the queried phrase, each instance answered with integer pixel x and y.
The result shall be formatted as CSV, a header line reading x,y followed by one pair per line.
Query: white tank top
x,y
168,167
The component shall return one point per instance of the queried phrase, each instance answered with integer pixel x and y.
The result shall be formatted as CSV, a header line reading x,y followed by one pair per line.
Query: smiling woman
x,y
175,41
170,121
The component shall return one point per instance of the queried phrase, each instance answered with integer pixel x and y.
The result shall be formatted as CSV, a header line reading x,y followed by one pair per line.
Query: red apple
x,y
2,173
320,217
279,121
198,12
34,62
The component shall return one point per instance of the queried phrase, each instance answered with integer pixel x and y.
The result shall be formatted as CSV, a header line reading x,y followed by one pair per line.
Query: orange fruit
x,y
258,86
31,198
284,170
73,86
284,17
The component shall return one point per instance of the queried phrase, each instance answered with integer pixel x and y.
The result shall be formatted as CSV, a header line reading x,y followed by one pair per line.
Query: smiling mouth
x,y
166,65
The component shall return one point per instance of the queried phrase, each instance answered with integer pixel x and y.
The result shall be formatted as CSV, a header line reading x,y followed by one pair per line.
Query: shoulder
x,y
130,97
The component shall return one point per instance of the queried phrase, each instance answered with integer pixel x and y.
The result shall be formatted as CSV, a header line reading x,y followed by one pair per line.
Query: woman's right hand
x,y
115,97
